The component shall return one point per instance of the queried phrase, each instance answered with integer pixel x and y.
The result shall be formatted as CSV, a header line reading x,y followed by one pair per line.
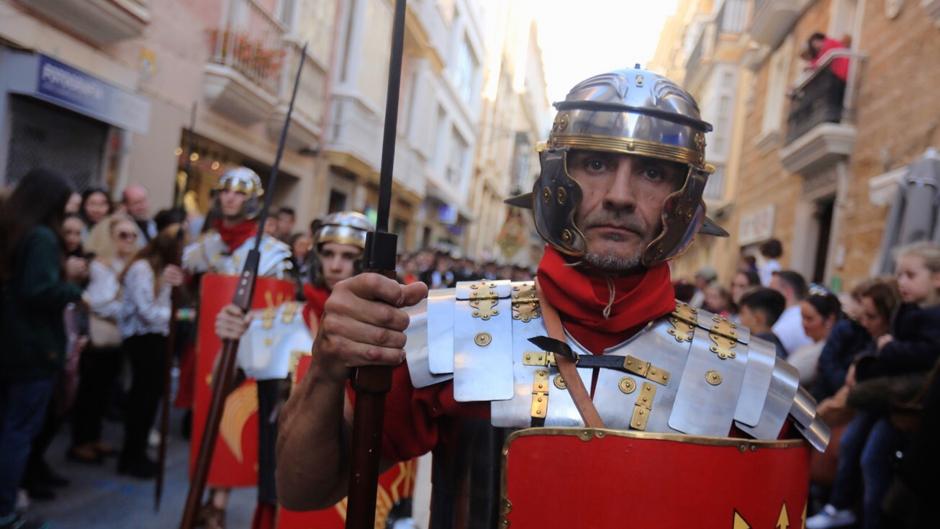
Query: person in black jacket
x,y
37,283
850,336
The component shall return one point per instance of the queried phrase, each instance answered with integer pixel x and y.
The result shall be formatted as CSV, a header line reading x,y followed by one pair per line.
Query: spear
x,y
171,336
373,382
224,375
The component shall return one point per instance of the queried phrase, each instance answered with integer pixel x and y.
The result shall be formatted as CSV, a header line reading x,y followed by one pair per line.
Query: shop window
x,y
48,136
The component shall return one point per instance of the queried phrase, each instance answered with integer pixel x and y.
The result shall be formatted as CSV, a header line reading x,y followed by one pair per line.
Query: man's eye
x,y
595,164
654,173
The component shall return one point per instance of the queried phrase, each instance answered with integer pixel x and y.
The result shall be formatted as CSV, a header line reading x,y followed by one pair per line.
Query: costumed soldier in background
x,y
248,428
631,409
278,341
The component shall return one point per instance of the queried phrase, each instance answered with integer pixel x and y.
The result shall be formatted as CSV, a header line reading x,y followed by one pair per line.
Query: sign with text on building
x,y
756,226
64,85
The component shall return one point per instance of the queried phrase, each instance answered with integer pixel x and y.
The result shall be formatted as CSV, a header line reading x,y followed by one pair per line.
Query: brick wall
x,y
898,117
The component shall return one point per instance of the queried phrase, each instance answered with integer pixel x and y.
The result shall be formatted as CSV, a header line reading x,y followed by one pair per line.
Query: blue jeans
x,y
22,412
866,461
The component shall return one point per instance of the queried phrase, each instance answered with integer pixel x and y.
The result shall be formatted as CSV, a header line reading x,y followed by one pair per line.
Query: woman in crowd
x,y
144,323
718,300
40,479
72,229
96,205
743,281
820,312
101,360
38,281
894,374
855,334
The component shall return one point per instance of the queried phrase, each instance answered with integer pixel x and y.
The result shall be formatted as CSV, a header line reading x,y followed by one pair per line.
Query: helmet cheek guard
x,y
682,217
555,199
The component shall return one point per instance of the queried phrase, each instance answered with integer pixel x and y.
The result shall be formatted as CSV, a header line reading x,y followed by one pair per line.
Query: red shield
x,y
605,479
395,484
235,459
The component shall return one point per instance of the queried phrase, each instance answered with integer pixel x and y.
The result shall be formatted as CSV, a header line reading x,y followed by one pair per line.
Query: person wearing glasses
x,y
101,361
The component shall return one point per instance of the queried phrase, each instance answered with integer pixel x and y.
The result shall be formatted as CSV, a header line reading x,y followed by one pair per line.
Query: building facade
x,y
513,120
169,94
818,161
161,82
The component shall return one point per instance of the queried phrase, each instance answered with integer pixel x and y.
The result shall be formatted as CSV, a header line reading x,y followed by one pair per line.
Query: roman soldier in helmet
x,y
219,256
277,344
590,393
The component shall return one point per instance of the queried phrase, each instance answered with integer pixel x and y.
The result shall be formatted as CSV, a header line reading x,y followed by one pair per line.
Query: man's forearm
x,y
312,465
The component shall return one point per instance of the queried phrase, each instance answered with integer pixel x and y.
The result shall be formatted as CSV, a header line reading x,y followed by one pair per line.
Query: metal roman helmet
x,y
631,111
246,181
343,227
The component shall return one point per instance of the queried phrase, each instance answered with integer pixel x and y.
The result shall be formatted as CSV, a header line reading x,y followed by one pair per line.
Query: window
x,y
457,158
347,41
337,201
465,71
776,90
448,9
285,12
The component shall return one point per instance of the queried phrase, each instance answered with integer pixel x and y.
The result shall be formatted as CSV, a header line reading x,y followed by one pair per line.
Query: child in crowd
x,y
896,372
760,309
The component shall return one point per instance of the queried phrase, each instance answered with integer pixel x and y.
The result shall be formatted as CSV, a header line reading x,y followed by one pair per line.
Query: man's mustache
x,y
616,221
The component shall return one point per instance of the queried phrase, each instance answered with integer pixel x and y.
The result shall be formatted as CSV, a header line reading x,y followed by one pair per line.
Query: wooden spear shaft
x,y
373,382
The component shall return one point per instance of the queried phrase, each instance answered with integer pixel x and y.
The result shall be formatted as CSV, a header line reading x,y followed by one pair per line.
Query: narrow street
x,y
100,498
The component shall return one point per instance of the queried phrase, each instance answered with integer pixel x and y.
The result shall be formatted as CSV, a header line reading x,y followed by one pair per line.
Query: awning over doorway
x,y
914,215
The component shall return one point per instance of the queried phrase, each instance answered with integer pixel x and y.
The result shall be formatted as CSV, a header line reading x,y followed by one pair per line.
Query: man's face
x,y
135,199
285,224
338,261
620,212
232,202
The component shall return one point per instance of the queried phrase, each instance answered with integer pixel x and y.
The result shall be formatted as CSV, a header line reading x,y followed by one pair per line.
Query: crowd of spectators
x,y
86,289
84,282
870,357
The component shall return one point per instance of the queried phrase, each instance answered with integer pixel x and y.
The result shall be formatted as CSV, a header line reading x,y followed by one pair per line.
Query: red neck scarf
x,y
235,236
316,300
581,300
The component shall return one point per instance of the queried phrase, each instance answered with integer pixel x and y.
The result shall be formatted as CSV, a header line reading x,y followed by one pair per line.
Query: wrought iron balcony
x,y
245,63
819,126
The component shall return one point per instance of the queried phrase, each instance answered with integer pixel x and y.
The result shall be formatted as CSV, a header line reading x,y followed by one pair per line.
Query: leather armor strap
x,y
579,394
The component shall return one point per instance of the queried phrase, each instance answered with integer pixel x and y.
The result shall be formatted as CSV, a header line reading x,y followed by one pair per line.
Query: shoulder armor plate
x,y
691,372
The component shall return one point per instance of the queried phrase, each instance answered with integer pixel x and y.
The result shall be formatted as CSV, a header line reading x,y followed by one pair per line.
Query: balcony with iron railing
x,y
820,128
246,57
103,21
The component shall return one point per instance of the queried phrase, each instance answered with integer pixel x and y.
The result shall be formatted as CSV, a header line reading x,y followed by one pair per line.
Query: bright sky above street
x,y
586,37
